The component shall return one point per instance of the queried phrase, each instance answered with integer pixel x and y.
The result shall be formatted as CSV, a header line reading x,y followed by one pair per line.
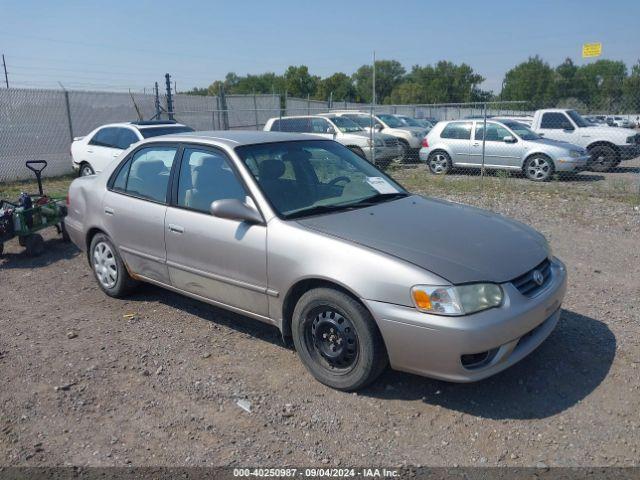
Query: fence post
x,y
308,104
484,136
223,106
255,109
68,110
167,79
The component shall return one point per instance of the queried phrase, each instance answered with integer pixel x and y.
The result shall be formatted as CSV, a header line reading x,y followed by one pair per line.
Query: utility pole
x,y
372,137
167,78
6,77
157,101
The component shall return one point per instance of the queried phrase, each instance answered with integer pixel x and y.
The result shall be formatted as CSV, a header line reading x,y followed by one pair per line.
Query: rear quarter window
x,y
459,131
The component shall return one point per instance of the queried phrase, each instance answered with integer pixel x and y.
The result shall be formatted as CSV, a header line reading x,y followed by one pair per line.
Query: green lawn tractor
x,y
30,214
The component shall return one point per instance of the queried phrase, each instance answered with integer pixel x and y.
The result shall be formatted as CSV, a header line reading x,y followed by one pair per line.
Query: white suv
x,y
410,138
93,152
343,131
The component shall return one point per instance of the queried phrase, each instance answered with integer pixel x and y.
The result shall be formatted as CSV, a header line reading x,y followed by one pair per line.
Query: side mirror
x,y
377,127
234,209
509,139
331,130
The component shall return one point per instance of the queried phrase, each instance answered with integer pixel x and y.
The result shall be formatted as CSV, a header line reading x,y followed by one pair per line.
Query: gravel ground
x,y
155,379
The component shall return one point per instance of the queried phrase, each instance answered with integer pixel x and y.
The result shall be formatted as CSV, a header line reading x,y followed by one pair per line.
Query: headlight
x,y
379,143
460,300
576,153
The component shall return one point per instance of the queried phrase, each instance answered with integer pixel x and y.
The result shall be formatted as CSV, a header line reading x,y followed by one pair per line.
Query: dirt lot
x,y
154,380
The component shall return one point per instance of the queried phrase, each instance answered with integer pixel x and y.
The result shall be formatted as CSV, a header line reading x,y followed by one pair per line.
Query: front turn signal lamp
x,y
459,300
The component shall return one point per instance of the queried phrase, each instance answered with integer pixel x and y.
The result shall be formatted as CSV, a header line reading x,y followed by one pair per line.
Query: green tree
x,y
389,74
568,85
299,82
533,80
339,84
603,82
631,90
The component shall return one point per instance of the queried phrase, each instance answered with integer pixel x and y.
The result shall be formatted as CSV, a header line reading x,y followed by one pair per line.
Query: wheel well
x,y
299,289
90,234
604,144
439,150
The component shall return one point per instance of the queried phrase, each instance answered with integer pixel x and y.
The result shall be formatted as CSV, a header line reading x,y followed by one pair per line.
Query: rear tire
x,y
603,158
439,163
337,339
108,267
86,170
406,151
34,244
1,248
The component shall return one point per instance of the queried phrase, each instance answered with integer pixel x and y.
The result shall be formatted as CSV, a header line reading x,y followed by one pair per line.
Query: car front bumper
x,y
571,164
433,345
629,151
383,153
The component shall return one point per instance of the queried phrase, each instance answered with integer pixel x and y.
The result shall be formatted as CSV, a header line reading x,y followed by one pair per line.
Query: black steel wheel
x,y
603,158
337,339
332,339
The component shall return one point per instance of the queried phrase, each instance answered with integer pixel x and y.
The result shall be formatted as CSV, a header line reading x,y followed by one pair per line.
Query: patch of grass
x,y
54,187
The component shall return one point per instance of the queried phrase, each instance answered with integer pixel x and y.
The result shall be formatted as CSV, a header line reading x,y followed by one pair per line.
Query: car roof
x,y
144,125
234,138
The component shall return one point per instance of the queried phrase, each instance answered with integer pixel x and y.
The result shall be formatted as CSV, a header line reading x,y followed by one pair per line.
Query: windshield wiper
x,y
317,210
379,198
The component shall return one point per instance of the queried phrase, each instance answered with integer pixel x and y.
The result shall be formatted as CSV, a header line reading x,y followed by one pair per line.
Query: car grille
x,y
527,285
390,142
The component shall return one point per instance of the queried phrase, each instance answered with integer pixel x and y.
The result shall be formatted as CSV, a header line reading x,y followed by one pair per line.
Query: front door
x,y
135,206
215,258
558,126
497,152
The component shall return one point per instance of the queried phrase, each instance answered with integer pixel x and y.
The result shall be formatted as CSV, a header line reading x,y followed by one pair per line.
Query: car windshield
x,y
577,118
346,125
522,131
301,178
157,131
364,121
410,121
391,121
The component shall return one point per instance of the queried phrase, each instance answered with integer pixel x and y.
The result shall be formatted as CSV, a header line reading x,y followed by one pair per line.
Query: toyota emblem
x,y
537,277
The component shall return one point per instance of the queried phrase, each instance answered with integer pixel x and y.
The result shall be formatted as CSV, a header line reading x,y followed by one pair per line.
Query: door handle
x,y
109,210
176,228
116,154
89,151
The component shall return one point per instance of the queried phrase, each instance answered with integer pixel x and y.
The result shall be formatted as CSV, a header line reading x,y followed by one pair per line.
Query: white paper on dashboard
x,y
381,185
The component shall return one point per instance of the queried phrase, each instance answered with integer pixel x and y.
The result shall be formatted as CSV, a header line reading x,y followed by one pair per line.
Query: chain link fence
x,y
443,146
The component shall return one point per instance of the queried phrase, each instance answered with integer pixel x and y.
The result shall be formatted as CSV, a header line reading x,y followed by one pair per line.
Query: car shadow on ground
x,y
220,316
566,368
626,169
584,176
55,249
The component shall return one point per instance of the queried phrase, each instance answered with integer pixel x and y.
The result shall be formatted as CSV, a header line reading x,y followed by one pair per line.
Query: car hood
x,y
462,244
556,143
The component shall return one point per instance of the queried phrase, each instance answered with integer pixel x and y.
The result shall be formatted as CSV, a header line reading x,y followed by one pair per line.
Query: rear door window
x,y
148,173
126,137
105,137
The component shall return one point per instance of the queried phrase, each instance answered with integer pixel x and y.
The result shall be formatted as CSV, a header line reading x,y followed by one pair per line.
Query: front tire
x,y
538,168
439,163
337,339
86,170
108,267
603,158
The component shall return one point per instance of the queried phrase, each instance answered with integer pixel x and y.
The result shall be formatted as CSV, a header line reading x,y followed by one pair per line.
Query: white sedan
x,y
93,152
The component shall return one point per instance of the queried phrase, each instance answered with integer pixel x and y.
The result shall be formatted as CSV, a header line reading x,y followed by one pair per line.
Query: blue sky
x,y
117,45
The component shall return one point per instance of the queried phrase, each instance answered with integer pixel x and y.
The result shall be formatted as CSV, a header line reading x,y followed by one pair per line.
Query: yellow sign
x,y
591,50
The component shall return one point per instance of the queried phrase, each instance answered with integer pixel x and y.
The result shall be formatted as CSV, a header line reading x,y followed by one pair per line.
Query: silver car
x,y
509,145
302,233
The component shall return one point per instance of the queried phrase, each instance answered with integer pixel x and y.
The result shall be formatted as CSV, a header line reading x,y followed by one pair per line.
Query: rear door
x,y
103,148
135,207
457,135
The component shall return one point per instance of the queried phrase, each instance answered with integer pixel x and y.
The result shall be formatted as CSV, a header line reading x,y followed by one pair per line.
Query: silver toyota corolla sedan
x,y
304,234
